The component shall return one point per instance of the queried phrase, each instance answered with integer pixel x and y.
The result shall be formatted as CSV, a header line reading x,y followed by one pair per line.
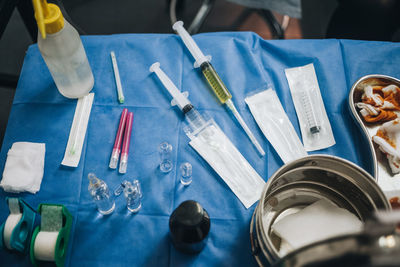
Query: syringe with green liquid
x,y
215,82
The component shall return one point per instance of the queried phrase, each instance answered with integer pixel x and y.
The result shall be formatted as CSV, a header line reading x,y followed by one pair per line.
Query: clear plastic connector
x,y
132,193
165,151
186,173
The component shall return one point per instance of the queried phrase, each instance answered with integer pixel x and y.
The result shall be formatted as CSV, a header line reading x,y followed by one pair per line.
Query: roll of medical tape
x,y
45,246
45,243
12,220
11,223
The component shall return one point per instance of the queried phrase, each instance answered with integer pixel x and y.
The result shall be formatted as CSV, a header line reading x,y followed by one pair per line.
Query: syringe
x,y
214,80
310,115
196,121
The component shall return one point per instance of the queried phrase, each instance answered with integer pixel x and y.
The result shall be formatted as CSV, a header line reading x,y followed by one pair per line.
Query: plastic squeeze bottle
x,y
62,50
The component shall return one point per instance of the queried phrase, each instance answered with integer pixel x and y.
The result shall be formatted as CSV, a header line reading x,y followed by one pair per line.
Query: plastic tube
x,y
239,118
123,164
118,140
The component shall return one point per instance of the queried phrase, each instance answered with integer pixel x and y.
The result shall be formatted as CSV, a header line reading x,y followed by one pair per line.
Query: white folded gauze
x,y
319,221
388,139
216,148
275,125
24,167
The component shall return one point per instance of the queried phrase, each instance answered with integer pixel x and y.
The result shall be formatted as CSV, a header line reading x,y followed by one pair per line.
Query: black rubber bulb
x,y
189,226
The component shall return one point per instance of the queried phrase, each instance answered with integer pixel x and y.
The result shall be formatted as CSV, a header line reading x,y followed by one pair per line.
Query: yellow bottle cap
x,y
48,17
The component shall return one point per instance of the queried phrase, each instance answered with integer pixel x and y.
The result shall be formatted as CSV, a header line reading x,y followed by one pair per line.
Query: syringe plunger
x,y
179,98
199,57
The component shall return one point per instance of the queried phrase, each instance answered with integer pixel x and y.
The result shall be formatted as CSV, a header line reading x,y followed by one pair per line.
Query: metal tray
x,y
389,183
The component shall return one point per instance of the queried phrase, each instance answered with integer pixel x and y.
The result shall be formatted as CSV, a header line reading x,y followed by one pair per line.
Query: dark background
x,y
353,19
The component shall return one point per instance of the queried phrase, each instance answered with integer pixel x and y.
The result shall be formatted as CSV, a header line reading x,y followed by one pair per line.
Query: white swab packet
x,y
78,131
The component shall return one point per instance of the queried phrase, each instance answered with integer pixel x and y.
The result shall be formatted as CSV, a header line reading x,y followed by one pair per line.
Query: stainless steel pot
x,y
301,183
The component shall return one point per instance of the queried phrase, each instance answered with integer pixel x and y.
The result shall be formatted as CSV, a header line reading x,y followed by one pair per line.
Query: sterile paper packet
x,y
314,123
275,125
77,133
219,152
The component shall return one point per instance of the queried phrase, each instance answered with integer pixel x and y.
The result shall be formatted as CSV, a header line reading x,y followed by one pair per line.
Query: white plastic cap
x,y
113,162
179,98
122,167
123,164
190,44
114,158
154,66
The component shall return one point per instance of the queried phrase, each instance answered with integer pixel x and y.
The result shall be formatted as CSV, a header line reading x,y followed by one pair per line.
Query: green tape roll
x,y
55,218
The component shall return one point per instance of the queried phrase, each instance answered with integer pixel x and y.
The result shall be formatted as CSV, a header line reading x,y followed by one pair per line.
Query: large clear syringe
x,y
215,82
196,121
207,139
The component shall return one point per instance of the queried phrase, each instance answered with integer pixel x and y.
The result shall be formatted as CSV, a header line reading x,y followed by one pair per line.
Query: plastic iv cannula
x,y
123,164
118,140
214,80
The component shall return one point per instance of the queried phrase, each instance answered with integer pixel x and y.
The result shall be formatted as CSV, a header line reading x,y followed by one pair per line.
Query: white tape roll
x,y
45,246
9,226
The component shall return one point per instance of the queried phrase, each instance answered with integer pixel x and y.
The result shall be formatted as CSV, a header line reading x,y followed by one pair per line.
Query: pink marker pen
x,y
123,164
118,140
